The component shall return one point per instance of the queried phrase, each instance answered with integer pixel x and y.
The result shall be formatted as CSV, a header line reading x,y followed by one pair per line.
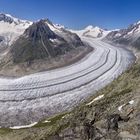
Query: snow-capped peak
x,y
53,27
89,27
11,28
93,27
10,19
92,31
138,22
6,18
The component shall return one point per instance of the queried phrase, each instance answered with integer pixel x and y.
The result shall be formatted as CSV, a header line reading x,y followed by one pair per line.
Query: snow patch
x,y
118,35
24,126
53,27
53,40
120,107
65,116
47,121
131,102
96,99
59,26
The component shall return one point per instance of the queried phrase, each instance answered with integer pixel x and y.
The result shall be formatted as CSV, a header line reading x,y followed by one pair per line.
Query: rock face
x,y
1,38
129,36
43,40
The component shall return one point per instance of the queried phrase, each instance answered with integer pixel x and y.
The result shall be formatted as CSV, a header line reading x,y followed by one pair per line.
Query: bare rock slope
x,y
129,36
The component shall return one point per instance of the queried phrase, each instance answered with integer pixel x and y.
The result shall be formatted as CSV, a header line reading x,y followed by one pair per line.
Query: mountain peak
x,y
48,21
138,22
6,18
39,29
11,28
89,27
43,40
10,19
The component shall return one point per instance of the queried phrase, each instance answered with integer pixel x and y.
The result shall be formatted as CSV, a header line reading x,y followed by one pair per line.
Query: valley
x,y
33,97
51,76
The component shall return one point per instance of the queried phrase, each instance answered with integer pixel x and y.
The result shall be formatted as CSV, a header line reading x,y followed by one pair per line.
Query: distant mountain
x,y
90,31
41,40
129,36
10,29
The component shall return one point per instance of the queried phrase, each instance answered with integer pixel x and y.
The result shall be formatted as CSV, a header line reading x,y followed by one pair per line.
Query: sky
x,y
76,14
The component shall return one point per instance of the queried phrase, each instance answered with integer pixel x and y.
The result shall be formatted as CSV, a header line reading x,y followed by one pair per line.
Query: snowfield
x,y
31,98
96,99
11,31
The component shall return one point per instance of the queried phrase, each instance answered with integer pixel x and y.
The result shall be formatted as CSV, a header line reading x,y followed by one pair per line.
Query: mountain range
x,y
12,28
43,39
49,39
129,36
39,45
91,31
26,45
